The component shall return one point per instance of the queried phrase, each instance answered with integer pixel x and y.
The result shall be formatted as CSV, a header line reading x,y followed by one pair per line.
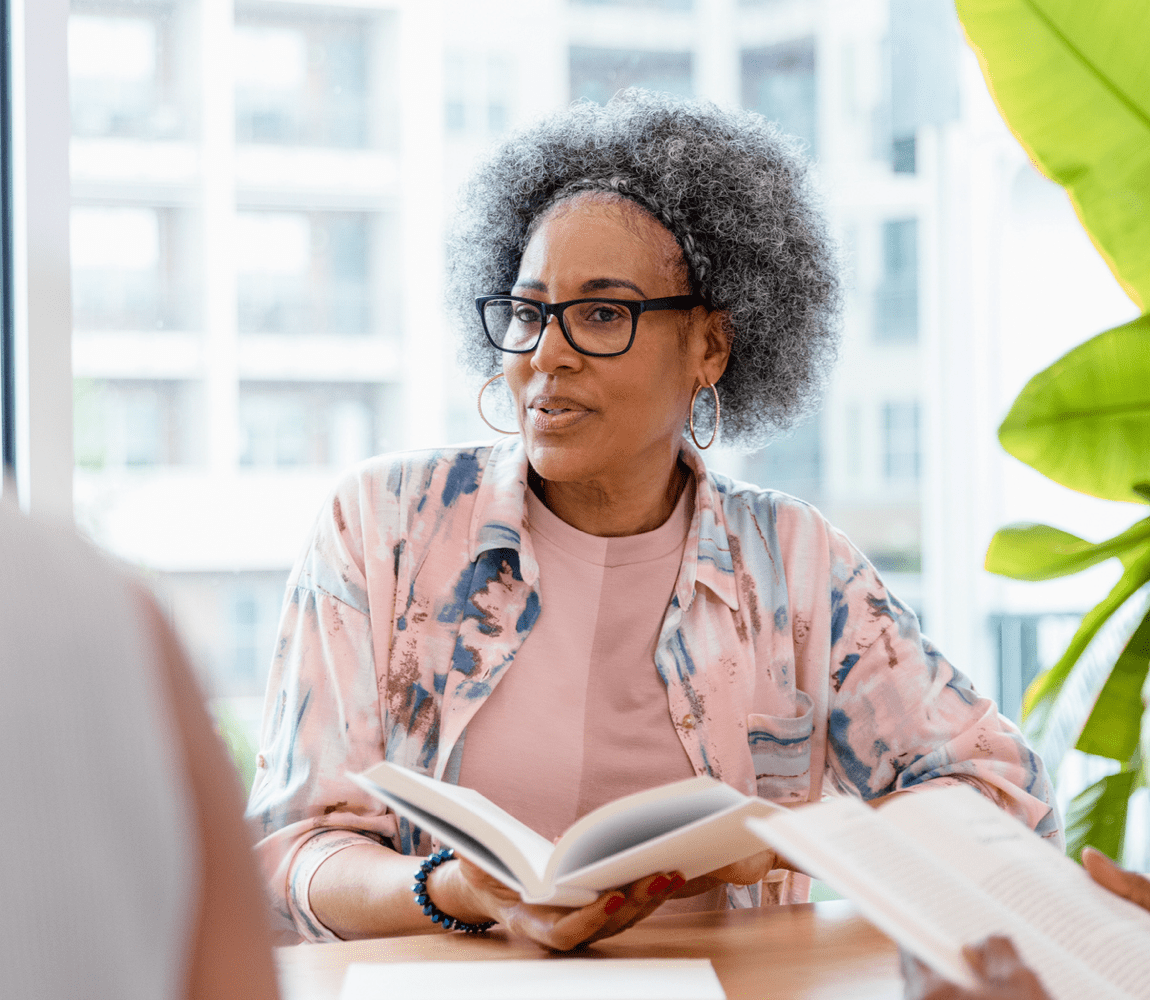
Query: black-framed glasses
x,y
602,328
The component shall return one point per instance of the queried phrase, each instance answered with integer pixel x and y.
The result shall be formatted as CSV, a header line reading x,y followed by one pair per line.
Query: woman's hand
x,y
1128,885
999,968
1001,972
465,891
745,872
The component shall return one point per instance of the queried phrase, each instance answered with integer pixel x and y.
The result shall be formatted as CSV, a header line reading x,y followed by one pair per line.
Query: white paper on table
x,y
539,979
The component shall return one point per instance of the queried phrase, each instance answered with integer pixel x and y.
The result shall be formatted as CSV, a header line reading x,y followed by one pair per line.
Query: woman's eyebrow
x,y
600,284
594,285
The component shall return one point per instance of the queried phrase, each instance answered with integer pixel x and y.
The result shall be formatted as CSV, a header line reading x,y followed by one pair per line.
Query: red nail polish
x,y
678,882
658,885
613,904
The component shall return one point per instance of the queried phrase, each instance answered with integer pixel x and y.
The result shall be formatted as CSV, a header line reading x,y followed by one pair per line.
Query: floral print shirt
x,y
791,671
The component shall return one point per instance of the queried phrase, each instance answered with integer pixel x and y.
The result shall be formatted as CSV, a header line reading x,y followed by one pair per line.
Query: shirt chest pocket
x,y
781,752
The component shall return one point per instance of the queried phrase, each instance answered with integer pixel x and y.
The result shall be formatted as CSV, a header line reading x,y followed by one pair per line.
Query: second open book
x,y
940,869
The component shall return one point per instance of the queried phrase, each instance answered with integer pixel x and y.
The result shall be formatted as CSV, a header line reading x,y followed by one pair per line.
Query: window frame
x,y
38,377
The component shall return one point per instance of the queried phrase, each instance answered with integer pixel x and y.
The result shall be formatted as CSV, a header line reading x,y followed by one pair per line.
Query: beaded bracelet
x,y
433,911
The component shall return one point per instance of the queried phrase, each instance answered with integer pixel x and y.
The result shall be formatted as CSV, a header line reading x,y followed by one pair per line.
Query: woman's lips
x,y
555,416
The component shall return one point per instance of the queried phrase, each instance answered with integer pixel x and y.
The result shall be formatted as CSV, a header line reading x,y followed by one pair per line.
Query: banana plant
x,y
1072,81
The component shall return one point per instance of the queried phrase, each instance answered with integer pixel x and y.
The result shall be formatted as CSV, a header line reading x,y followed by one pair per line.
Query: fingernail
x,y
678,882
613,904
658,885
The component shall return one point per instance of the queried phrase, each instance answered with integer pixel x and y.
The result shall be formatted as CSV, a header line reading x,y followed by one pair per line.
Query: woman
x,y
582,610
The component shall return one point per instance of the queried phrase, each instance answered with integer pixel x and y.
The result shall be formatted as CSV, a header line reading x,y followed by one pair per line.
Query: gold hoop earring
x,y
691,416
480,406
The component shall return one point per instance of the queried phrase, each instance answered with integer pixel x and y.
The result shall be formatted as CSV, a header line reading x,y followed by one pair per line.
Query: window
x,y
923,74
137,423
231,313
133,268
127,79
903,154
900,442
792,464
598,74
308,424
779,83
650,4
479,92
303,272
302,82
896,299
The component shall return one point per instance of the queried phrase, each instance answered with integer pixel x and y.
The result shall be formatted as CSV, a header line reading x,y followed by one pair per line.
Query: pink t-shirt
x,y
581,717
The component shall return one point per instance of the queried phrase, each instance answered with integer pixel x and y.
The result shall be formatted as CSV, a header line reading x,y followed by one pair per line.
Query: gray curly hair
x,y
731,189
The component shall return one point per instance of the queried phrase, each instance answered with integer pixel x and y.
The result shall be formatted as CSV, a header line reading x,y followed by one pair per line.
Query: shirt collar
x,y
707,556
499,521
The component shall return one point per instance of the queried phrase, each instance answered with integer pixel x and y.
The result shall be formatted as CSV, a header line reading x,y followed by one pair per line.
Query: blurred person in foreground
x,y
583,610
1000,970
127,870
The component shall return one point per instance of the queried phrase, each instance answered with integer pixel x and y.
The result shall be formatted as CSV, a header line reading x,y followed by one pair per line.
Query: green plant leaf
x,y
1047,684
1144,749
1097,816
1085,420
1039,552
1115,722
239,745
1143,490
1072,81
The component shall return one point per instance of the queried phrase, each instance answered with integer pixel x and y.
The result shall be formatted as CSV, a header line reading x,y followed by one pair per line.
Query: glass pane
x,y
896,299
779,83
900,442
236,294
597,74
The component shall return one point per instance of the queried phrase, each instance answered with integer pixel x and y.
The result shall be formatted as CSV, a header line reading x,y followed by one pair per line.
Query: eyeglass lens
x,y
595,327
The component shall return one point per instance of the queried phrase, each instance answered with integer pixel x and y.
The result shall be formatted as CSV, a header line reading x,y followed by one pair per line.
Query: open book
x,y
692,827
937,870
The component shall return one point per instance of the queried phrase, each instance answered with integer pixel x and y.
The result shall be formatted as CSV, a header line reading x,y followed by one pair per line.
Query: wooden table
x,y
819,950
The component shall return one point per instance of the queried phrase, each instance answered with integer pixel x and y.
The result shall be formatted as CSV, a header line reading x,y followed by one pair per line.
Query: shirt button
x,y
688,721
260,762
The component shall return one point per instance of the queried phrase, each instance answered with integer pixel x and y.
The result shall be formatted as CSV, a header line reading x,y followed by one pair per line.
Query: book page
x,y
843,843
633,819
1035,881
695,849
918,895
521,850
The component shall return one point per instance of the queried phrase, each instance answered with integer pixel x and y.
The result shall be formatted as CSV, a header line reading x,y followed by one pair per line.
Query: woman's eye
x,y
526,314
603,312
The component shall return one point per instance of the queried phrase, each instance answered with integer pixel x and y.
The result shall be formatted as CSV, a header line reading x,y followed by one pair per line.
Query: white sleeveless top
x,y
98,845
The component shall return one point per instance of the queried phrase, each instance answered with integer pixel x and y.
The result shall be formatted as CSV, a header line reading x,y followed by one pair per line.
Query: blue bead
x,y
436,917
421,876
427,910
422,899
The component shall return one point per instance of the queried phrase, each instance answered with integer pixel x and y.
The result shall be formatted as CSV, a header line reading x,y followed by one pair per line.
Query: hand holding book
x,y
560,927
1000,970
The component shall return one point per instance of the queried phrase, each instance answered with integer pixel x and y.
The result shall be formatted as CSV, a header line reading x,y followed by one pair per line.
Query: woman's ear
x,y
717,345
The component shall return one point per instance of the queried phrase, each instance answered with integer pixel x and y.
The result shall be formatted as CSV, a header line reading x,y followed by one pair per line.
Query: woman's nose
x,y
553,350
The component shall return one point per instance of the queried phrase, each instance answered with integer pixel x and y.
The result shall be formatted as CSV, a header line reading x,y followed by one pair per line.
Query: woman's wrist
x,y
452,894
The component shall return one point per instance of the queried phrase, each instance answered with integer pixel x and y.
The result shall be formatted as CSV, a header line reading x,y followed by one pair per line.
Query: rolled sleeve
x,y
322,719
902,718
